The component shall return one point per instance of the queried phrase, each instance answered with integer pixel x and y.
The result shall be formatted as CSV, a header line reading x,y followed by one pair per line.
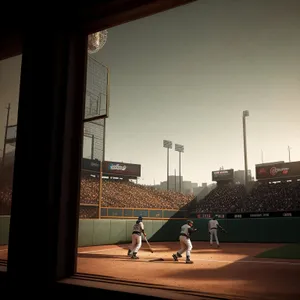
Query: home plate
x,y
156,259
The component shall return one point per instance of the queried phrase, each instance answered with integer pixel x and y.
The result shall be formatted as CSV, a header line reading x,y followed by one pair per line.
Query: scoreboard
x,y
223,175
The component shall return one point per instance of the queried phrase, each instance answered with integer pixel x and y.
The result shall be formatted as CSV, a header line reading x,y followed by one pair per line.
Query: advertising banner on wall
x,y
90,165
221,175
278,171
277,214
111,168
255,215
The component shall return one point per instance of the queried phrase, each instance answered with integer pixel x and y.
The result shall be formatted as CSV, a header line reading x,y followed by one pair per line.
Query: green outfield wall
x,y
112,231
269,230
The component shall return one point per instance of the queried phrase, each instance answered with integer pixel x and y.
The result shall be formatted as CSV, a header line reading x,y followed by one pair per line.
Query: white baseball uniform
x,y
185,241
136,237
213,230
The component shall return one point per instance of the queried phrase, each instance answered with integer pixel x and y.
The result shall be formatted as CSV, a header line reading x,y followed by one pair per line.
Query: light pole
x,y
289,150
175,178
100,190
179,149
168,145
245,114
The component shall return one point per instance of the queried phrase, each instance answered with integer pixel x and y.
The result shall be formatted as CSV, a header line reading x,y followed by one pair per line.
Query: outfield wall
x,y
277,230
113,231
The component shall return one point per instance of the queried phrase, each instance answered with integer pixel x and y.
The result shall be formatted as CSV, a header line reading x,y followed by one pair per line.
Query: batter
x,y
136,238
185,242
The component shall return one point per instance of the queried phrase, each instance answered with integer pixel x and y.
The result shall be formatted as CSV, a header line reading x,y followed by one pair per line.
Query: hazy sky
x,y
187,74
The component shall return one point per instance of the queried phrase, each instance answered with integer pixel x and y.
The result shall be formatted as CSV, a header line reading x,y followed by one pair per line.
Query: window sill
x,y
132,289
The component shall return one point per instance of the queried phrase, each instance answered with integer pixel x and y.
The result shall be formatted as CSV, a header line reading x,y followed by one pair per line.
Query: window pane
x,y
189,92
10,70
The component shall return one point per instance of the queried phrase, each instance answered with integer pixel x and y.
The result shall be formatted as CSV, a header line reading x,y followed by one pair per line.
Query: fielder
x,y
185,241
213,226
136,238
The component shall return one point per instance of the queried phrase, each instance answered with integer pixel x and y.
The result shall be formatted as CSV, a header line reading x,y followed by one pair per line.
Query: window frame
x,y
102,15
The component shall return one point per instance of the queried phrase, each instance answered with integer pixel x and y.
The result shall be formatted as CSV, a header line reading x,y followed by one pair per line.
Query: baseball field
x,y
233,271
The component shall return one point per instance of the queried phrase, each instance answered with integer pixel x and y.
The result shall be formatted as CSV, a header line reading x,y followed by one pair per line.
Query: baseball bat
x,y
148,244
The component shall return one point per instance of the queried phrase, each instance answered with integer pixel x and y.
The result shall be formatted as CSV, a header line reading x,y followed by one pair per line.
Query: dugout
x,y
53,82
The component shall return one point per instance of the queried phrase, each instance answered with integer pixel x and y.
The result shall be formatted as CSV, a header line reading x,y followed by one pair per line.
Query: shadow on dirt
x,y
100,255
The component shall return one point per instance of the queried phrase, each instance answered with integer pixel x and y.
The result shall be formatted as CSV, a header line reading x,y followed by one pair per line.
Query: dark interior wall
x,y
90,15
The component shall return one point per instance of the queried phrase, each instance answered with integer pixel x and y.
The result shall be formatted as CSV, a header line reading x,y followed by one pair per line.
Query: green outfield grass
x,y
289,251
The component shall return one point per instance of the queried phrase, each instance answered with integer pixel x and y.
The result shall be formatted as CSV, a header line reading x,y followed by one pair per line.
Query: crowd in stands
x,y
89,189
284,196
274,197
227,198
126,194
5,200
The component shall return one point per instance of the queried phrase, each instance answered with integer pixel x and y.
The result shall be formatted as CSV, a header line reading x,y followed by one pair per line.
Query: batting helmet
x,y
190,222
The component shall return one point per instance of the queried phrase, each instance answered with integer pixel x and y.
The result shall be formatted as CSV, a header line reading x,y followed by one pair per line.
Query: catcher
x,y
185,241
213,226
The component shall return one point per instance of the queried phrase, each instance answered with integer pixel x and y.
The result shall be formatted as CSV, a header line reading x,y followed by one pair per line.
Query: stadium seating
x,y
284,196
230,198
122,194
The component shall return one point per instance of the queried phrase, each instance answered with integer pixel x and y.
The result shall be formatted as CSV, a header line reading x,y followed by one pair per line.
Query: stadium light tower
x,y
179,149
168,145
245,114
289,150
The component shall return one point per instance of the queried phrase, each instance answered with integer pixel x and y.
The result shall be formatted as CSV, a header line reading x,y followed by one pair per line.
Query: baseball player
x,y
185,241
136,238
213,226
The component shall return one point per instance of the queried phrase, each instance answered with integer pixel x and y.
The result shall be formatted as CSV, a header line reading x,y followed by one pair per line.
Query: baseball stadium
x,y
258,246
236,238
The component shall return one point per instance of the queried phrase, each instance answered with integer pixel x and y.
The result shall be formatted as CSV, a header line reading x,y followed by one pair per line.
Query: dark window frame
x,y
67,104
